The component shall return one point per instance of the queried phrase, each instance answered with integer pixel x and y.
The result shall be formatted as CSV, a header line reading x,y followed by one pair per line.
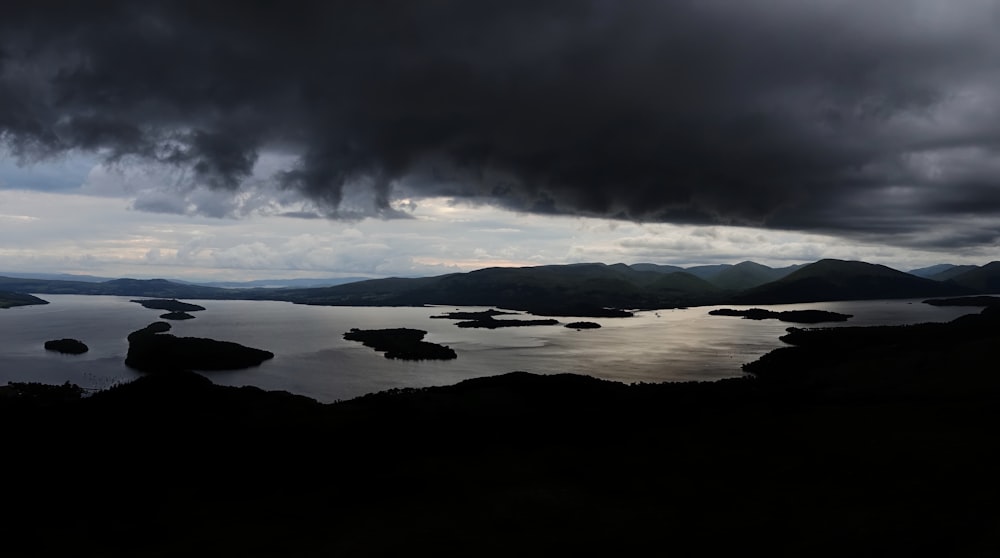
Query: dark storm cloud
x,y
779,113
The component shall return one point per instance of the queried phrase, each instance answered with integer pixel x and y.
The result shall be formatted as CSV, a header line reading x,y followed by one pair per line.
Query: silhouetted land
x,y
846,280
67,346
493,323
794,316
583,325
568,308
852,442
176,316
964,301
585,289
152,350
401,343
485,314
10,300
170,305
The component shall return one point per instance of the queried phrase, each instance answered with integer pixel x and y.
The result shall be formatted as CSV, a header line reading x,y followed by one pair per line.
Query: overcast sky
x,y
242,140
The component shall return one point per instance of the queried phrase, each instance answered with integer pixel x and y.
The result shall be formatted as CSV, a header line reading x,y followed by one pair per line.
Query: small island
x,y
150,349
583,325
578,310
483,315
793,316
169,304
10,300
67,346
401,343
486,319
493,323
176,316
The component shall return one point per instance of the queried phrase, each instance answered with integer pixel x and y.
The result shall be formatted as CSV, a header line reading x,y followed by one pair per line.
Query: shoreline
x,y
875,449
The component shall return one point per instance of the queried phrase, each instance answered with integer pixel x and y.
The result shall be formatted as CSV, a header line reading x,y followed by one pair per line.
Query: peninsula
x,y
10,300
965,301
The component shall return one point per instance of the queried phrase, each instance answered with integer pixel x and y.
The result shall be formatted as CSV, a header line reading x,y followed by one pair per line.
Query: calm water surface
x,y
312,358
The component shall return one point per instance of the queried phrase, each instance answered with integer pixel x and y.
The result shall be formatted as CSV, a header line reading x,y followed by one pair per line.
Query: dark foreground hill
x,y
854,442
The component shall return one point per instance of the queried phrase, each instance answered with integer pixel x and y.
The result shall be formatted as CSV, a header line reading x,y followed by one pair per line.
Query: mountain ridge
x,y
582,289
831,279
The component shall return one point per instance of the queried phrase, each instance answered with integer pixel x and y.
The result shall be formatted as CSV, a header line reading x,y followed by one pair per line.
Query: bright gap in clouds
x,y
106,235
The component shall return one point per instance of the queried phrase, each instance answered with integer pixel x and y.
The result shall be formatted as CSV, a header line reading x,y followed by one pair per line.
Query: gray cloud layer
x,y
866,117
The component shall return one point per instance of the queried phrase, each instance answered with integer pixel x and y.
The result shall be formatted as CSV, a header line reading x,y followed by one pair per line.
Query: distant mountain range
x,y
255,284
578,289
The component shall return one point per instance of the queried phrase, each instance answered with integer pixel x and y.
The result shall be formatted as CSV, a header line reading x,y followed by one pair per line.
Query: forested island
x,y
151,349
401,343
493,323
583,325
480,315
794,316
176,316
486,319
67,346
171,305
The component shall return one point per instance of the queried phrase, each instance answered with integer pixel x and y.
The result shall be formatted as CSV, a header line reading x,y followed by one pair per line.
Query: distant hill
x,y
846,280
55,276
657,268
955,271
157,288
743,275
699,271
746,275
985,279
554,289
930,271
584,289
282,283
707,272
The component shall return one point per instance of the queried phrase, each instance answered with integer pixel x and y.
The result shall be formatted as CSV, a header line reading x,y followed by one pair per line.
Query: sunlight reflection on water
x,y
313,359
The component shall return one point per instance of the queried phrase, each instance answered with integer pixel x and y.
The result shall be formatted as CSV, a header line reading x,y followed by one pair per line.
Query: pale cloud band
x,y
100,235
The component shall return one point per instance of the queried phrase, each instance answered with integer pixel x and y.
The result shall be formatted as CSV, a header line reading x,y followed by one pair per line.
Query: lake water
x,y
313,359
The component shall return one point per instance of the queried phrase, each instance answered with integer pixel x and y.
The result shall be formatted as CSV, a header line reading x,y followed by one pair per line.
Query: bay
x,y
313,359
